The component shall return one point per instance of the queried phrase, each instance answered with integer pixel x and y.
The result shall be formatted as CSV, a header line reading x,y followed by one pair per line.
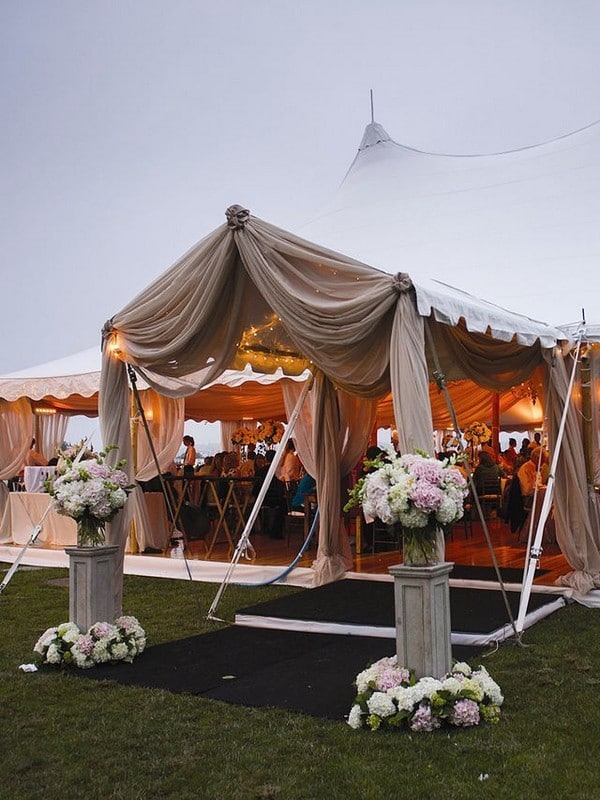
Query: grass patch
x,y
65,737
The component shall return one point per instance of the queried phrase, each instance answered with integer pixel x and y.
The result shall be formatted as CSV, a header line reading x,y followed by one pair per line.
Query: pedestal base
x,y
91,585
423,631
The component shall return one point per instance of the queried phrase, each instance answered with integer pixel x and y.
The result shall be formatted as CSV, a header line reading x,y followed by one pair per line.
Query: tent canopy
x,y
518,227
250,293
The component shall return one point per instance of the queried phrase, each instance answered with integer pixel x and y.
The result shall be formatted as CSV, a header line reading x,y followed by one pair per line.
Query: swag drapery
x,y
252,293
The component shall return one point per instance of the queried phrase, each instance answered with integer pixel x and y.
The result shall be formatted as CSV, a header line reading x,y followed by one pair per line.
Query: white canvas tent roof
x,y
519,228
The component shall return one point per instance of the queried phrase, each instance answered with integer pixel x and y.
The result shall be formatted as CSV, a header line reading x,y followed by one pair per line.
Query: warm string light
x,y
43,411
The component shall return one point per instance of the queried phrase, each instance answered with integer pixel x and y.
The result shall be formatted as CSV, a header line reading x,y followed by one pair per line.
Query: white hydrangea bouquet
x,y
420,493
90,492
389,696
103,643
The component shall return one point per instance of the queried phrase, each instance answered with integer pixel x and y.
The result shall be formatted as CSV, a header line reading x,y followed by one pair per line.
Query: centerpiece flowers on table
x,y
244,436
420,493
102,643
477,433
91,492
270,432
389,696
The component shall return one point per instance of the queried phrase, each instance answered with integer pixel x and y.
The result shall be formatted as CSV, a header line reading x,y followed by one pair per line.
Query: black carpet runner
x,y
311,673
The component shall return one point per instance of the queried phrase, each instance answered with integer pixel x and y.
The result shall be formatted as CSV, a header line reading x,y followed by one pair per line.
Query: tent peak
x,y
374,134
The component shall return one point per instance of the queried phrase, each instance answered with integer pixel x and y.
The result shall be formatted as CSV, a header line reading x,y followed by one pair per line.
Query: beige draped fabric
x,y
16,432
251,293
350,419
575,508
164,416
50,432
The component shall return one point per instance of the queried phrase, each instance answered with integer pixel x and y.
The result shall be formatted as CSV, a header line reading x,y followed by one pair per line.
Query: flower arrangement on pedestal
x,y
389,696
420,493
90,492
103,643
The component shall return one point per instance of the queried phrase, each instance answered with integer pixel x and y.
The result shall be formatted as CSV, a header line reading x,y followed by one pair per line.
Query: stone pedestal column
x,y
423,632
91,584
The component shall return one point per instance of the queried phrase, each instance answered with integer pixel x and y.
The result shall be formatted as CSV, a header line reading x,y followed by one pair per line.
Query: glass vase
x,y
419,547
90,532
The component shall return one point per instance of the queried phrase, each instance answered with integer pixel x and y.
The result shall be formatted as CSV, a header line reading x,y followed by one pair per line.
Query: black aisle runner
x,y
306,672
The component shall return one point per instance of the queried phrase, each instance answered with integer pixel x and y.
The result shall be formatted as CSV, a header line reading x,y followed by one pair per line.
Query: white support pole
x,y
244,540
536,549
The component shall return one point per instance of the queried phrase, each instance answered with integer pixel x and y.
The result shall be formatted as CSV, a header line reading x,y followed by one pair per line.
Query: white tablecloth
x,y
34,477
25,509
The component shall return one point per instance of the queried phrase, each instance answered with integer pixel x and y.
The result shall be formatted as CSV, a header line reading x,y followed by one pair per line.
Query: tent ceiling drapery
x,y
71,384
341,316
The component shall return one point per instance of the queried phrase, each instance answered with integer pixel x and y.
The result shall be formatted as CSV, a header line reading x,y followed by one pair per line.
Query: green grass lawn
x,y
62,737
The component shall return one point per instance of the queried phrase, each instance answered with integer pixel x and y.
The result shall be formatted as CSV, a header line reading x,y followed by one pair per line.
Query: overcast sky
x,y
129,126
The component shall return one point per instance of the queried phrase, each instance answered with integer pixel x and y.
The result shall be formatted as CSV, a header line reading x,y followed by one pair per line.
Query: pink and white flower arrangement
x,y
390,696
91,492
414,490
103,643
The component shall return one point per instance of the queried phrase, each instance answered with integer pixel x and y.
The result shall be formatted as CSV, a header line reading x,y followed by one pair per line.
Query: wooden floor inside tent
x,y
471,550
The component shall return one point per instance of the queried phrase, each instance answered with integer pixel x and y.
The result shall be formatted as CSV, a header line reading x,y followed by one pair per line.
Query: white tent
x,y
519,228
252,293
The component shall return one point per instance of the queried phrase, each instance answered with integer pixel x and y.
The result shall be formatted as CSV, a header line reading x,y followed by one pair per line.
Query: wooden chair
x,y
490,497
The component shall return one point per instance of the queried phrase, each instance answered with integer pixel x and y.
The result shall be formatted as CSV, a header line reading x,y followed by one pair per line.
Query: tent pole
x,y
244,540
440,379
586,412
536,548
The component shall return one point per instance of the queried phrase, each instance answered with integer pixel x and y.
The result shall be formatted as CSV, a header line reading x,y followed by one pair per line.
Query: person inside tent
x,y
33,458
290,468
189,457
528,474
509,456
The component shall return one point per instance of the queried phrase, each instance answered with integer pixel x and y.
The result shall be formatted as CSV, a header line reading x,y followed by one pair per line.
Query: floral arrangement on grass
x,y
389,696
420,493
477,433
270,432
90,492
103,643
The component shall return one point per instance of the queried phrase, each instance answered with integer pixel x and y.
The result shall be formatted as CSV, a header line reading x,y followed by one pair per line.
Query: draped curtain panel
x,y
16,432
164,416
50,432
575,510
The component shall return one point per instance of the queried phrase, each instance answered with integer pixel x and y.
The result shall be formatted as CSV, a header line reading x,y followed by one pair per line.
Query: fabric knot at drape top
x,y
402,282
107,329
237,217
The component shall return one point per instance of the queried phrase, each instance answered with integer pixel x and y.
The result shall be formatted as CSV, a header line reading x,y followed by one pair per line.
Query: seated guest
x,y
275,503
486,473
290,468
247,466
307,486
207,467
487,447
33,458
509,456
528,474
